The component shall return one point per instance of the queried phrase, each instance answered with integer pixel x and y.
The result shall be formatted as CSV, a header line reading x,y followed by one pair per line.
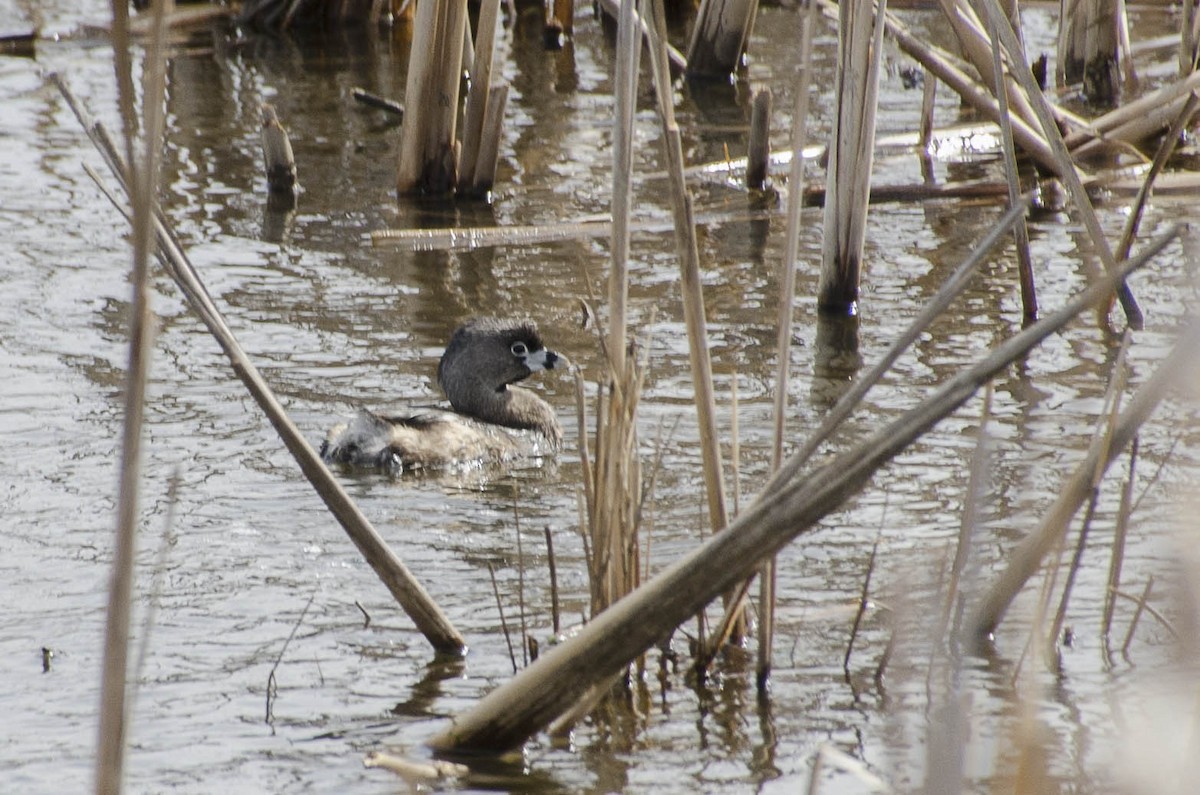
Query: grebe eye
x,y
519,349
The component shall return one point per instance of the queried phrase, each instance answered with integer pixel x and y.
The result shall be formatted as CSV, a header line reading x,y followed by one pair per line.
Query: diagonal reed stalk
x,y
410,594
1024,262
1025,560
517,710
950,289
142,184
1003,32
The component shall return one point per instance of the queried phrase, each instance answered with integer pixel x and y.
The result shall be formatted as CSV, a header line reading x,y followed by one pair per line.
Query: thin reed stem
x,y
1165,149
1024,261
272,681
863,601
1117,557
512,655
143,181
521,585
554,614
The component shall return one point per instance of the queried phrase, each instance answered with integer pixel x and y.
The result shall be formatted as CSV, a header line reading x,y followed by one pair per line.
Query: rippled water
x,y
335,323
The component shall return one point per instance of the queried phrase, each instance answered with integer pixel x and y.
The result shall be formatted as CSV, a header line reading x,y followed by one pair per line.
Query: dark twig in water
x,y
1112,400
1055,636
1143,605
272,684
366,615
554,618
512,655
520,583
376,101
783,328
1162,464
1156,614
863,604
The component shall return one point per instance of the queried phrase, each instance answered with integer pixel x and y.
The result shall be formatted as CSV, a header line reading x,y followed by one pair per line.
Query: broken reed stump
x,y
277,155
478,95
758,155
560,23
851,152
428,161
719,38
1089,48
790,507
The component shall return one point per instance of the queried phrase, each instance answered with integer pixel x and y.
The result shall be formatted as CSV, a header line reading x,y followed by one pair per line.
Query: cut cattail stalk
x,y
759,153
277,154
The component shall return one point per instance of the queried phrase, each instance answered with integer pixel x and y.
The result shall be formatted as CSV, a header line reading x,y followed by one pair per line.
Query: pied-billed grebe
x,y
492,421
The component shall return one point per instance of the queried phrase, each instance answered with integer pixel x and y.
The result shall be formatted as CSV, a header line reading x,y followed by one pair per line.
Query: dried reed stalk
x,y
719,37
613,9
278,159
428,160
783,326
517,710
1133,121
489,144
1165,150
976,481
142,182
1024,261
410,594
625,99
615,485
1070,177
689,268
478,94
1117,558
560,22
1089,47
692,295
758,153
851,153
977,48
942,64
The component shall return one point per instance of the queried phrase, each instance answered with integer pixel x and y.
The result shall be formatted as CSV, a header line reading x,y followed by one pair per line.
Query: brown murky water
x,y
335,323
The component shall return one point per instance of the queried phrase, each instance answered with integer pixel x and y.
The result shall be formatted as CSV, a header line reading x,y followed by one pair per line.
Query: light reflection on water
x,y
334,324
